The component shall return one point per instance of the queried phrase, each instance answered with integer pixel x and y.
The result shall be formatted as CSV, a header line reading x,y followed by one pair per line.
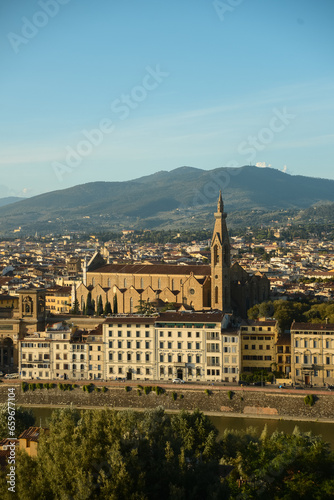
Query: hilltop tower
x,y
220,262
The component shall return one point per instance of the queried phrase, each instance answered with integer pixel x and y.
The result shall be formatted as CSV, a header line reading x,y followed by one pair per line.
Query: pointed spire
x,y
220,204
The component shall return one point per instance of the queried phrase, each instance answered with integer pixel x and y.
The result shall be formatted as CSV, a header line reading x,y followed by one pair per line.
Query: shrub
x,y
309,400
46,385
32,387
74,386
39,386
181,396
159,390
96,389
104,389
140,387
174,396
24,386
60,385
139,392
51,386
229,394
208,392
147,389
127,388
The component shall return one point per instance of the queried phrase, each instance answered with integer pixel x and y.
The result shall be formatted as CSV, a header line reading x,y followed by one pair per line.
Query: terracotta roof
x,y
191,317
201,270
313,326
32,434
284,339
131,319
263,323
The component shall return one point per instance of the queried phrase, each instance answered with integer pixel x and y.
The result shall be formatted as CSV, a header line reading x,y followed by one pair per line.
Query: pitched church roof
x,y
171,269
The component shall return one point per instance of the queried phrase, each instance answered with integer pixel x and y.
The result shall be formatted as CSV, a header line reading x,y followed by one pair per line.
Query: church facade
x,y
219,286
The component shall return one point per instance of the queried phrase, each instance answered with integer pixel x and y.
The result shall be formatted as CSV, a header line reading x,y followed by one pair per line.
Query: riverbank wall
x,y
217,401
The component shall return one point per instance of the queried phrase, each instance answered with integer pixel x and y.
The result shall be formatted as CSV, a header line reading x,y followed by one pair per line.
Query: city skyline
x,y
127,90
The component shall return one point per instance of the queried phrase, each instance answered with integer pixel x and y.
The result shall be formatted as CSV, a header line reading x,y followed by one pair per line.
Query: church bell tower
x,y
220,262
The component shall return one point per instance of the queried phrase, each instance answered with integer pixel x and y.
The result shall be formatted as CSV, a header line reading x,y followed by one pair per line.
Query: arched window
x,y
93,281
141,283
172,284
159,283
82,367
131,305
109,282
216,294
74,367
125,283
82,302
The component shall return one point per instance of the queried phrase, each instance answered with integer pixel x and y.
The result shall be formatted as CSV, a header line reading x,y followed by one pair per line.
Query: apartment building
x,y
53,354
258,340
171,345
129,346
231,355
58,299
283,354
312,347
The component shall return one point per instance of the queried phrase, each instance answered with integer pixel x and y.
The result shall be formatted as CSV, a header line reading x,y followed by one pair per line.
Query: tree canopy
x,y
105,454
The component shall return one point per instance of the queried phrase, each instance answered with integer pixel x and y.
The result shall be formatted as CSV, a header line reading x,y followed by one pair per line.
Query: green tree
x,y
99,308
107,309
115,304
90,305
76,307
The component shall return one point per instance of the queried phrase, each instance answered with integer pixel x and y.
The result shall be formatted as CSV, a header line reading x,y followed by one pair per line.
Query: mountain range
x,y
181,198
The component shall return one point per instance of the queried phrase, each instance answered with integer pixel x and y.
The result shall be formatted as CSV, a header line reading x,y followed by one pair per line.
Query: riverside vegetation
x,y
105,454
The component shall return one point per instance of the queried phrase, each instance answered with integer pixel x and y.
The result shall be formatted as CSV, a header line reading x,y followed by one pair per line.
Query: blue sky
x,y
113,90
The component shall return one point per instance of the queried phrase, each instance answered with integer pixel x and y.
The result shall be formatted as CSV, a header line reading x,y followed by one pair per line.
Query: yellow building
x,y
312,353
283,354
58,299
8,301
258,342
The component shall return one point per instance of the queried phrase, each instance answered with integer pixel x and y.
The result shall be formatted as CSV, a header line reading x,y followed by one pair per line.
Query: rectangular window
x,y
179,345
161,345
110,356
120,356
189,358
197,345
169,358
129,356
147,345
189,345
110,344
147,357
128,333
161,358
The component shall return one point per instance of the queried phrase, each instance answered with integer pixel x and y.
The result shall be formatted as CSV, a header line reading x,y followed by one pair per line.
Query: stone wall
x,y
242,403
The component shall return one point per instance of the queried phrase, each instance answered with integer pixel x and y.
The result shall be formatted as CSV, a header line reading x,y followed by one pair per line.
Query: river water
x,y
324,429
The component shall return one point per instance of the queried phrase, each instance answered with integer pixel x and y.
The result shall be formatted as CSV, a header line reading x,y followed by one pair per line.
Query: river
x,y
324,429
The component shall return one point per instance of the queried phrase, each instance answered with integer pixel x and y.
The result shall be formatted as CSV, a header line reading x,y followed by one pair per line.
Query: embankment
x,y
220,401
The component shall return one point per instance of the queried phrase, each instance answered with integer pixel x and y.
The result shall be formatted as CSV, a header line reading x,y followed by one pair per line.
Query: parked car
x,y
242,382
1,374
12,375
178,381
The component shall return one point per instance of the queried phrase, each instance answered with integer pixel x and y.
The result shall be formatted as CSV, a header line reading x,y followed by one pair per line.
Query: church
x,y
219,286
